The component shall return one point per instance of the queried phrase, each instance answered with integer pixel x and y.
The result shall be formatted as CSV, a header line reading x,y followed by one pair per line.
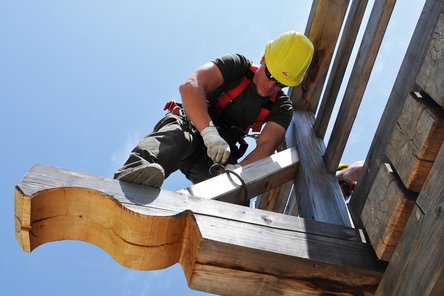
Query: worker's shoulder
x,y
233,59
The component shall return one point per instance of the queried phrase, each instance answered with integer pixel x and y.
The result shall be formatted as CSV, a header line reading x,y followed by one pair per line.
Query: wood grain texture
x,y
417,265
357,84
404,84
323,27
415,141
145,228
276,199
317,192
431,74
386,212
342,57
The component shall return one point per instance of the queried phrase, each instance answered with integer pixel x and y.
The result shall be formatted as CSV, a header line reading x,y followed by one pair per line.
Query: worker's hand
x,y
217,149
351,173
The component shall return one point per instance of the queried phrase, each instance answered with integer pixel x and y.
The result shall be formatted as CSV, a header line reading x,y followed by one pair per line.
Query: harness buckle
x,y
174,108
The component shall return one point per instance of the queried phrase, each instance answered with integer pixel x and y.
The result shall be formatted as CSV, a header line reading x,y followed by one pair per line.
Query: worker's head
x,y
288,56
284,63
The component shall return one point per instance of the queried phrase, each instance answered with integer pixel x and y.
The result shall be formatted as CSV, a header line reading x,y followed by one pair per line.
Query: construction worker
x,y
222,100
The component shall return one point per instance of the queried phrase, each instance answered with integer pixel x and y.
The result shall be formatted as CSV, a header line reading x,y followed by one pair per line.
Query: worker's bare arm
x,y
193,92
272,135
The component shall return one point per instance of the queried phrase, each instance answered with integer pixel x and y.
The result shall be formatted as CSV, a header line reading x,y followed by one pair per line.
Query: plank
x,y
146,228
323,27
430,77
359,76
259,176
342,57
318,193
415,141
404,84
386,212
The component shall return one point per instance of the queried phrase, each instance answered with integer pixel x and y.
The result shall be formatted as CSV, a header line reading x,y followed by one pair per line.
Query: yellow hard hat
x,y
342,166
288,56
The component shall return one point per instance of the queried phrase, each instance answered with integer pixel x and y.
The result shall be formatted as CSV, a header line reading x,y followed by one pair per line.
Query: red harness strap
x,y
263,114
227,97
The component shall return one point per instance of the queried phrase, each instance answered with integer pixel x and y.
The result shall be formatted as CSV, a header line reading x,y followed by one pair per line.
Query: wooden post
x,y
349,33
223,248
377,24
317,192
416,139
324,25
404,84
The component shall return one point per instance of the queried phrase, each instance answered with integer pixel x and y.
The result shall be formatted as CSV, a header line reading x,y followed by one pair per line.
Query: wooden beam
x,y
146,228
259,176
431,74
417,266
416,139
404,84
318,193
342,57
386,212
360,74
323,27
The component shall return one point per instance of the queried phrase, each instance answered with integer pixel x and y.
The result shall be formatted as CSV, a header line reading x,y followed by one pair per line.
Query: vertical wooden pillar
x,y
349,34
323,29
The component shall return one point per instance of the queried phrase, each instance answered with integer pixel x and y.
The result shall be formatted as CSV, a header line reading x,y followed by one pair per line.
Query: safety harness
x,y
229,96
222,102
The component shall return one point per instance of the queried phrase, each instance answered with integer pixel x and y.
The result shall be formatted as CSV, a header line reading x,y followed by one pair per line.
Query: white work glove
x,y
217,149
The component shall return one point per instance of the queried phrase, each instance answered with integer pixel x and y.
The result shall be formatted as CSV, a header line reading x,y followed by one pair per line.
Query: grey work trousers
x,y
174,144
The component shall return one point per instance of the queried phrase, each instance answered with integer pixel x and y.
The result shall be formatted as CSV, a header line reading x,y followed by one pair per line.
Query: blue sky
x,y
82,81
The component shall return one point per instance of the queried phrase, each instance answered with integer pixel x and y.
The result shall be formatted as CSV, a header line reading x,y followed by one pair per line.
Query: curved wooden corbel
x,y
223,248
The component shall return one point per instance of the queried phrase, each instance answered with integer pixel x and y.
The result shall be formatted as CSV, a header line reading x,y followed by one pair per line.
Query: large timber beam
x,y
223,248
317,192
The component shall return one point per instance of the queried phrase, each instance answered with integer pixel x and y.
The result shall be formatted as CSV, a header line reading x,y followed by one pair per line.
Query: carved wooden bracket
x,y
223,248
